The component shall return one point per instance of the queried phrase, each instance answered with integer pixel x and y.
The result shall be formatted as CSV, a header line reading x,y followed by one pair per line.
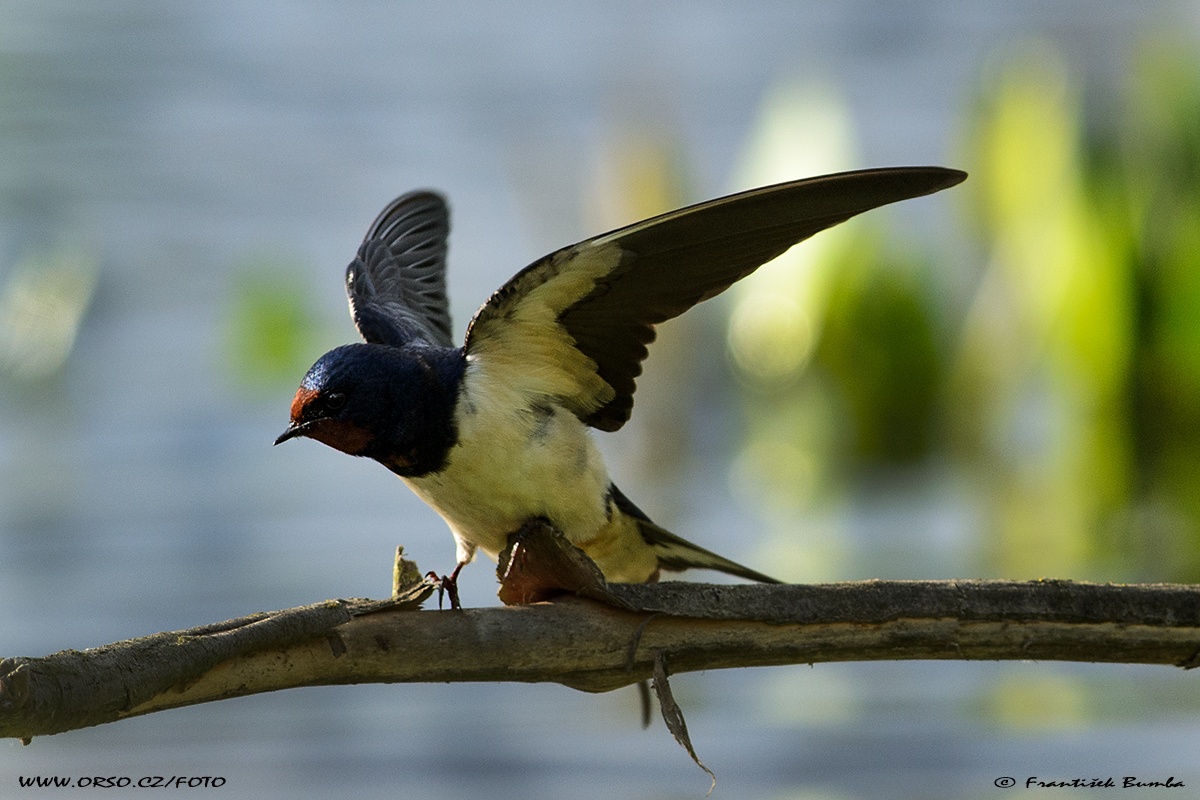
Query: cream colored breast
x,y
513,461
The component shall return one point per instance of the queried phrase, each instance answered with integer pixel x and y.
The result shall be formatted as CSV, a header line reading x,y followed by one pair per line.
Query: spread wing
x,y
397,282
574,325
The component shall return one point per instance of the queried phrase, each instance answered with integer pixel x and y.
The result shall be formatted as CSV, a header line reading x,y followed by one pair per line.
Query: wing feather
x,y
575,325
397,283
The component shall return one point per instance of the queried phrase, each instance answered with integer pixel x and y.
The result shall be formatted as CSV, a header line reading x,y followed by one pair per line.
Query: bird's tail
x,y
676,553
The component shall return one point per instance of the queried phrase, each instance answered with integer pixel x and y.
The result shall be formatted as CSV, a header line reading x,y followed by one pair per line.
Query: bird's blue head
x,y
394,405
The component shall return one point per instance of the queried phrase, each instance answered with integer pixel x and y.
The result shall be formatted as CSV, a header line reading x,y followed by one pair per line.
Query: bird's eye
x,y
334,401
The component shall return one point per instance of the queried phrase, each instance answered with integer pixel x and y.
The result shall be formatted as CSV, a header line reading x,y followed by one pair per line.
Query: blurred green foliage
x,y
272,330
879,348
1040,382
840,344
1065,387
1087,320
1152,181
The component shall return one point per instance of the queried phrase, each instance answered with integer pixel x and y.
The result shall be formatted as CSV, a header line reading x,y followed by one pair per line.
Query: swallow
x,y
494,433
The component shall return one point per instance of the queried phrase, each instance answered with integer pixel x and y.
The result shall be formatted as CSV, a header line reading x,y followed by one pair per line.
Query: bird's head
x,y
337,402
384,403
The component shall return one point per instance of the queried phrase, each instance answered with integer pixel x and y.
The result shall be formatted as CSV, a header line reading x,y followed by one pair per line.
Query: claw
x,y
448,585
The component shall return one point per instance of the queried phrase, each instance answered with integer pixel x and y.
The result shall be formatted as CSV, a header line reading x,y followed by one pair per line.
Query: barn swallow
x,y
494,434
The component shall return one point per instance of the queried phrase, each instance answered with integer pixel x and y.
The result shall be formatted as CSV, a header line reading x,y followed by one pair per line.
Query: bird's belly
x,y
509,468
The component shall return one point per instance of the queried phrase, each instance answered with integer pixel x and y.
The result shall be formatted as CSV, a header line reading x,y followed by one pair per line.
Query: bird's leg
x,y
448,584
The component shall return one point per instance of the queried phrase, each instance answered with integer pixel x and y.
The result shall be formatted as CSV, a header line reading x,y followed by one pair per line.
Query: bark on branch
x,y
599,645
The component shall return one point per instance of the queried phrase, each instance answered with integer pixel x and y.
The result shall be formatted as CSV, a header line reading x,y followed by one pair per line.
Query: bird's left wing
x,y
397,282
574,326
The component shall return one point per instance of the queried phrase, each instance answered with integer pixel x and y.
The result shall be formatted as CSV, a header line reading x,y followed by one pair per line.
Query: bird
x,y
495,433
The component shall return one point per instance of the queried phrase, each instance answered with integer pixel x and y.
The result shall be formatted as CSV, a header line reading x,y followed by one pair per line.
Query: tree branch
x,y
599,645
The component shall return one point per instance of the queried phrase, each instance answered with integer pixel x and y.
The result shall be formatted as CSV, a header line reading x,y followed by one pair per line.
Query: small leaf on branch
x,y
673,715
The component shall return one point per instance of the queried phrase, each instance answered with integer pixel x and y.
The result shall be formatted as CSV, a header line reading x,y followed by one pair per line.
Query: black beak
x,y
292,432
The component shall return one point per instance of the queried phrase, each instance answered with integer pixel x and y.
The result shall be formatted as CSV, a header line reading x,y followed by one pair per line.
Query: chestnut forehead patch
x,y
303,397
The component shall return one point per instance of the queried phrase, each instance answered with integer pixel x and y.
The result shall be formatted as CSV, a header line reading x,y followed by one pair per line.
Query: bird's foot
x,y
448,585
